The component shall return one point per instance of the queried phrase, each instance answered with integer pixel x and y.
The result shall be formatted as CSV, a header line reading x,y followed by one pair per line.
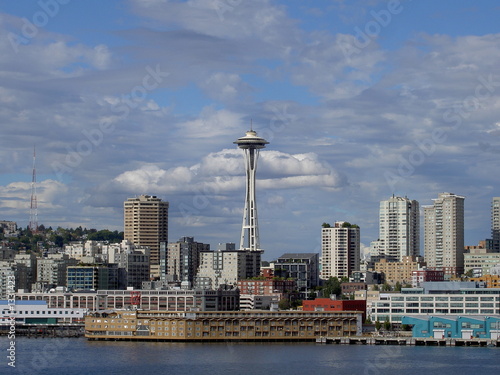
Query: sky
x,y
359,100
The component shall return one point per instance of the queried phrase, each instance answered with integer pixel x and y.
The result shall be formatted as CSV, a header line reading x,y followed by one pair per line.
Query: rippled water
x,y
79,356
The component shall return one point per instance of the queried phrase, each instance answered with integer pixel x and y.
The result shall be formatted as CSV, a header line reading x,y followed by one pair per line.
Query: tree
x,y
332,286
378,325
397,287
284,304
386,287
326,225
387,324
368,320
376,287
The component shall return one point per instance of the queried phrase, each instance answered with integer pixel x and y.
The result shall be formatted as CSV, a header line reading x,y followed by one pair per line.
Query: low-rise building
x,y
480,261
226,326
161,300
258,302
454,326
350,288
38,312
490,281
469,301
327,304
401,272
421,276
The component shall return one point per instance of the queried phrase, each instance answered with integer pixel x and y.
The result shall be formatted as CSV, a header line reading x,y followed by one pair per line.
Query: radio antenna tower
x,y
33,224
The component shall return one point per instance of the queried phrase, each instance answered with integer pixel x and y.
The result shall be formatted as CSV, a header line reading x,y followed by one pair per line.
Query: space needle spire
x,y
250,144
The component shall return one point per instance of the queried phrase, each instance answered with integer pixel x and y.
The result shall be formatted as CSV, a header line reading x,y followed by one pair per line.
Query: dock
x,y
407,341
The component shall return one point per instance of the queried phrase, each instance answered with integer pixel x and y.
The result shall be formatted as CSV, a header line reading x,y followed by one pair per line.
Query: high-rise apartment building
x,y
495,224
399,229
444,234
146,225
183,260
340,250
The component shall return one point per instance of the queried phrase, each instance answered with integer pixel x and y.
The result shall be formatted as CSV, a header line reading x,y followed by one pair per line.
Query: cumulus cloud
x,y
223,171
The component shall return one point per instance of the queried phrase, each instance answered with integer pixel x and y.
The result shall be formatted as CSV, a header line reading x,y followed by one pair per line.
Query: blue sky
x,y
359,100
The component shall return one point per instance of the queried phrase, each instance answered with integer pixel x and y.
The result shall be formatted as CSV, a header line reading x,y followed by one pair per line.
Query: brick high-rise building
x,y
146,225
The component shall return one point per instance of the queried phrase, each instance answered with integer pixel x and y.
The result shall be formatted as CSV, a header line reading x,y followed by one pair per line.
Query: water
x,y
79,356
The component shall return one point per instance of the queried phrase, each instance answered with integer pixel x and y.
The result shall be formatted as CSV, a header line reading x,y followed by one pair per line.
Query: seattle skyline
x,y
360,100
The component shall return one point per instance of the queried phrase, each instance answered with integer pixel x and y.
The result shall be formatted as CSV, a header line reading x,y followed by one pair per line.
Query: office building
x,y
399,229
340,250
146,225
444,234
95,277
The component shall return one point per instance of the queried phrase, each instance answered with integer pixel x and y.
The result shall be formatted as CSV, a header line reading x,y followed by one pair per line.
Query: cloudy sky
x,y
358,99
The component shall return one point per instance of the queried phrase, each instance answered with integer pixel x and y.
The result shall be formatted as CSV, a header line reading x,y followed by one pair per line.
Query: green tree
x,y
378,325
326,225
386,287
387,324
284,304
332,286
368,320
397,287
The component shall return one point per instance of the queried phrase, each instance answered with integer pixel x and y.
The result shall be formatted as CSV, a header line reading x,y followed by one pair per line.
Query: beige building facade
x,y
146,225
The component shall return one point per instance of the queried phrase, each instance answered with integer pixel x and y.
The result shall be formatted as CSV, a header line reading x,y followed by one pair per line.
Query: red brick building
x,y
327,304
421,276
352,287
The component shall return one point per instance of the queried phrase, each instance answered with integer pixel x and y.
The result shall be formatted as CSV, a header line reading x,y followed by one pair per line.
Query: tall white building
x,y
495,224
444,234
399,229
340,250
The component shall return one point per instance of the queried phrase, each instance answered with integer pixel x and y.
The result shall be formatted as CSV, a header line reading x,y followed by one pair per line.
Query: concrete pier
x,y
429,341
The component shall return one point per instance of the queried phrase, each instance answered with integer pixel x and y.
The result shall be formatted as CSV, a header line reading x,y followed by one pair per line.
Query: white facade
x,y
340,250
24,310
226,267
444,234
395,305
495,223
399,229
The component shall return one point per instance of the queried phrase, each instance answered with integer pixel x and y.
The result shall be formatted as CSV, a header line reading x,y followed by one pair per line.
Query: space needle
x,y
250,144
